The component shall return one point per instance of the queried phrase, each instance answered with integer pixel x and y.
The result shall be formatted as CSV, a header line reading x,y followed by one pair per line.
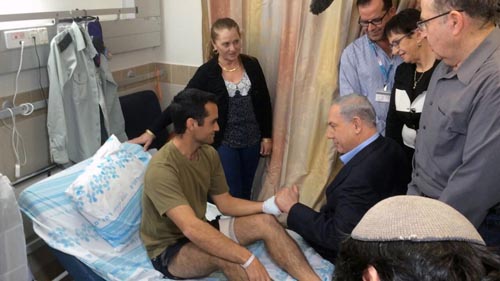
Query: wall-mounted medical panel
x,y
120,35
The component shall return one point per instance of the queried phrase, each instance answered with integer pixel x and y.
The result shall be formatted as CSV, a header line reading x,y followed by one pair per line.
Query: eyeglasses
x,y
422,25
395,44
377,21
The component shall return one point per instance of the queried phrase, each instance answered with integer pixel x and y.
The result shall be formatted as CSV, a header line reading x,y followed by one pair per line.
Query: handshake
x,y
282,202
270,207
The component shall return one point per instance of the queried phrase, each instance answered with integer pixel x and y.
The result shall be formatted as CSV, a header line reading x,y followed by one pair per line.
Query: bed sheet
x,y
59,224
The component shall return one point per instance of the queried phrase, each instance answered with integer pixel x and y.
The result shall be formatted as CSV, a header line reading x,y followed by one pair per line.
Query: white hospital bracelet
x,y
248,262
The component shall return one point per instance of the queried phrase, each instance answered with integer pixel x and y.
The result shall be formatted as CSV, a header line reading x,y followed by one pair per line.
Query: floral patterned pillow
x,y
108,193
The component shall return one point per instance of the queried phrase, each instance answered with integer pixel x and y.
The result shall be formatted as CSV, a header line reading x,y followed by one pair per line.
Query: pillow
x,y
111,145
108,192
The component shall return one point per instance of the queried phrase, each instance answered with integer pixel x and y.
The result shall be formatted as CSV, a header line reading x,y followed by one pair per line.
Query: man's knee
x,y
269,220
252,228
263,223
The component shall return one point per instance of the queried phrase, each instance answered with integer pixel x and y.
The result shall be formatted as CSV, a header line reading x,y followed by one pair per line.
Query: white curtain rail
x,y
67,14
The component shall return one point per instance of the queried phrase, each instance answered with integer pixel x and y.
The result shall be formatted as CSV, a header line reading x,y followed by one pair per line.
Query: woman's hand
x,y
266,146
145,139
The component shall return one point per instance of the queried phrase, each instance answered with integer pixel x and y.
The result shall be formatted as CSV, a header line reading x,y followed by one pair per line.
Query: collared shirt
x,y
361,73
77,91
349,155
458,143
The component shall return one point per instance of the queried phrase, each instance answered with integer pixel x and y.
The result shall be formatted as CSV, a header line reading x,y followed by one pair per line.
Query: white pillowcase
x,y
108,193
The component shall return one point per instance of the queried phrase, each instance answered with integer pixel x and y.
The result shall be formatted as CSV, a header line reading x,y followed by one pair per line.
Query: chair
x,y
140,110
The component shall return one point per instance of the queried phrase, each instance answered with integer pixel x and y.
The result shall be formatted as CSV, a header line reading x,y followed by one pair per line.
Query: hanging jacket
x,y
77,90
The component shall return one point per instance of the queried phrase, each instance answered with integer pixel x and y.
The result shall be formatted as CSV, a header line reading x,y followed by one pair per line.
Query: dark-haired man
x,y
458,143
415,238
367,66
180,242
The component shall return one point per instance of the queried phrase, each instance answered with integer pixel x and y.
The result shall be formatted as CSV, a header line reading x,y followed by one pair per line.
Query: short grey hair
x,y
486,10
356,105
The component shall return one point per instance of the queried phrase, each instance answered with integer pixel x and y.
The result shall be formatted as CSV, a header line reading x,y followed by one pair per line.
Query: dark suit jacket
x,y
378,171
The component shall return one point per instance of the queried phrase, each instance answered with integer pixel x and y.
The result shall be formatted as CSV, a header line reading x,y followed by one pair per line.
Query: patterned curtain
x,y
299,53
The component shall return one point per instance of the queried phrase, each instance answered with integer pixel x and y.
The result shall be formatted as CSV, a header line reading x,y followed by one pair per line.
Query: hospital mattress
x,y
62,227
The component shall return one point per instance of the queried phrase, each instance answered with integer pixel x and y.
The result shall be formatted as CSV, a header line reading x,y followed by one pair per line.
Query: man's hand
x,y
145,139
286,198
256,271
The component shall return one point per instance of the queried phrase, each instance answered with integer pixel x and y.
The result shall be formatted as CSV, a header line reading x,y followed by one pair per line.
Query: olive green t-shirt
x,y
172,180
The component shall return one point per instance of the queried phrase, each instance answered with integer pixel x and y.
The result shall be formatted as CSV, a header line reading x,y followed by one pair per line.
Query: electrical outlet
x,y
13,38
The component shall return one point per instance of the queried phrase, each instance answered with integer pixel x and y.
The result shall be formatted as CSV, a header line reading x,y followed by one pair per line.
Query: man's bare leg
x,y
282,248
192,262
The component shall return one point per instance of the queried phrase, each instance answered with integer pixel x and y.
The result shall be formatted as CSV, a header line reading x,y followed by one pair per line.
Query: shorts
x,y
160,263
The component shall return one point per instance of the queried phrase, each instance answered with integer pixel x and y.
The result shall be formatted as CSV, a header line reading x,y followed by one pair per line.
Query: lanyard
x,y
385,72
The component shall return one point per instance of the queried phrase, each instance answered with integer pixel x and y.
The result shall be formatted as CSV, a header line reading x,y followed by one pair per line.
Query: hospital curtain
x,y
299,53
299,56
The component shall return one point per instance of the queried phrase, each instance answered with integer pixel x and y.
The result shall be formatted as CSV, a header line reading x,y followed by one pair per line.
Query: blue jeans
x,y
239,166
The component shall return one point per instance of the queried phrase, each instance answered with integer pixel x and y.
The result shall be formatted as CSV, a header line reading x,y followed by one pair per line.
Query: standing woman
x,y
245,114
411,79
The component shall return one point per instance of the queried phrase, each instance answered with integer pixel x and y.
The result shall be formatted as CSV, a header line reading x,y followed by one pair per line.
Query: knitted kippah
x,y
415,219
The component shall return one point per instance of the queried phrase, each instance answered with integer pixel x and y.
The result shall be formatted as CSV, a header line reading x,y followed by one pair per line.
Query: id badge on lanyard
x,y
384,94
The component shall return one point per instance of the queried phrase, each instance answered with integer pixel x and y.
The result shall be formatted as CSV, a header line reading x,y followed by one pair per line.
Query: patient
x,y
179,241
415,238
374,169
242,97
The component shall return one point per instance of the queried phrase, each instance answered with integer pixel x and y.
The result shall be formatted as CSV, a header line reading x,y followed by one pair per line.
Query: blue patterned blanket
x,y
61,226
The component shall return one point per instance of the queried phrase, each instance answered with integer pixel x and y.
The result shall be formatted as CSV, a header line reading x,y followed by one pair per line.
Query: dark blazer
x,y
378,171
209,78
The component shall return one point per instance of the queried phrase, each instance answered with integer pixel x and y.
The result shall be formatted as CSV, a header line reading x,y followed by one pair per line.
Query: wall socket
x,y
13,38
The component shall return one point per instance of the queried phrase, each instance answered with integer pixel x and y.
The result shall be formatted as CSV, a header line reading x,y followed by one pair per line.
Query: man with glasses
x,y
367,66
458,144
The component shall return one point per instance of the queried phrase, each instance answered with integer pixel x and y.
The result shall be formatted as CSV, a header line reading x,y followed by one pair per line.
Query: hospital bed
x,y
86,255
